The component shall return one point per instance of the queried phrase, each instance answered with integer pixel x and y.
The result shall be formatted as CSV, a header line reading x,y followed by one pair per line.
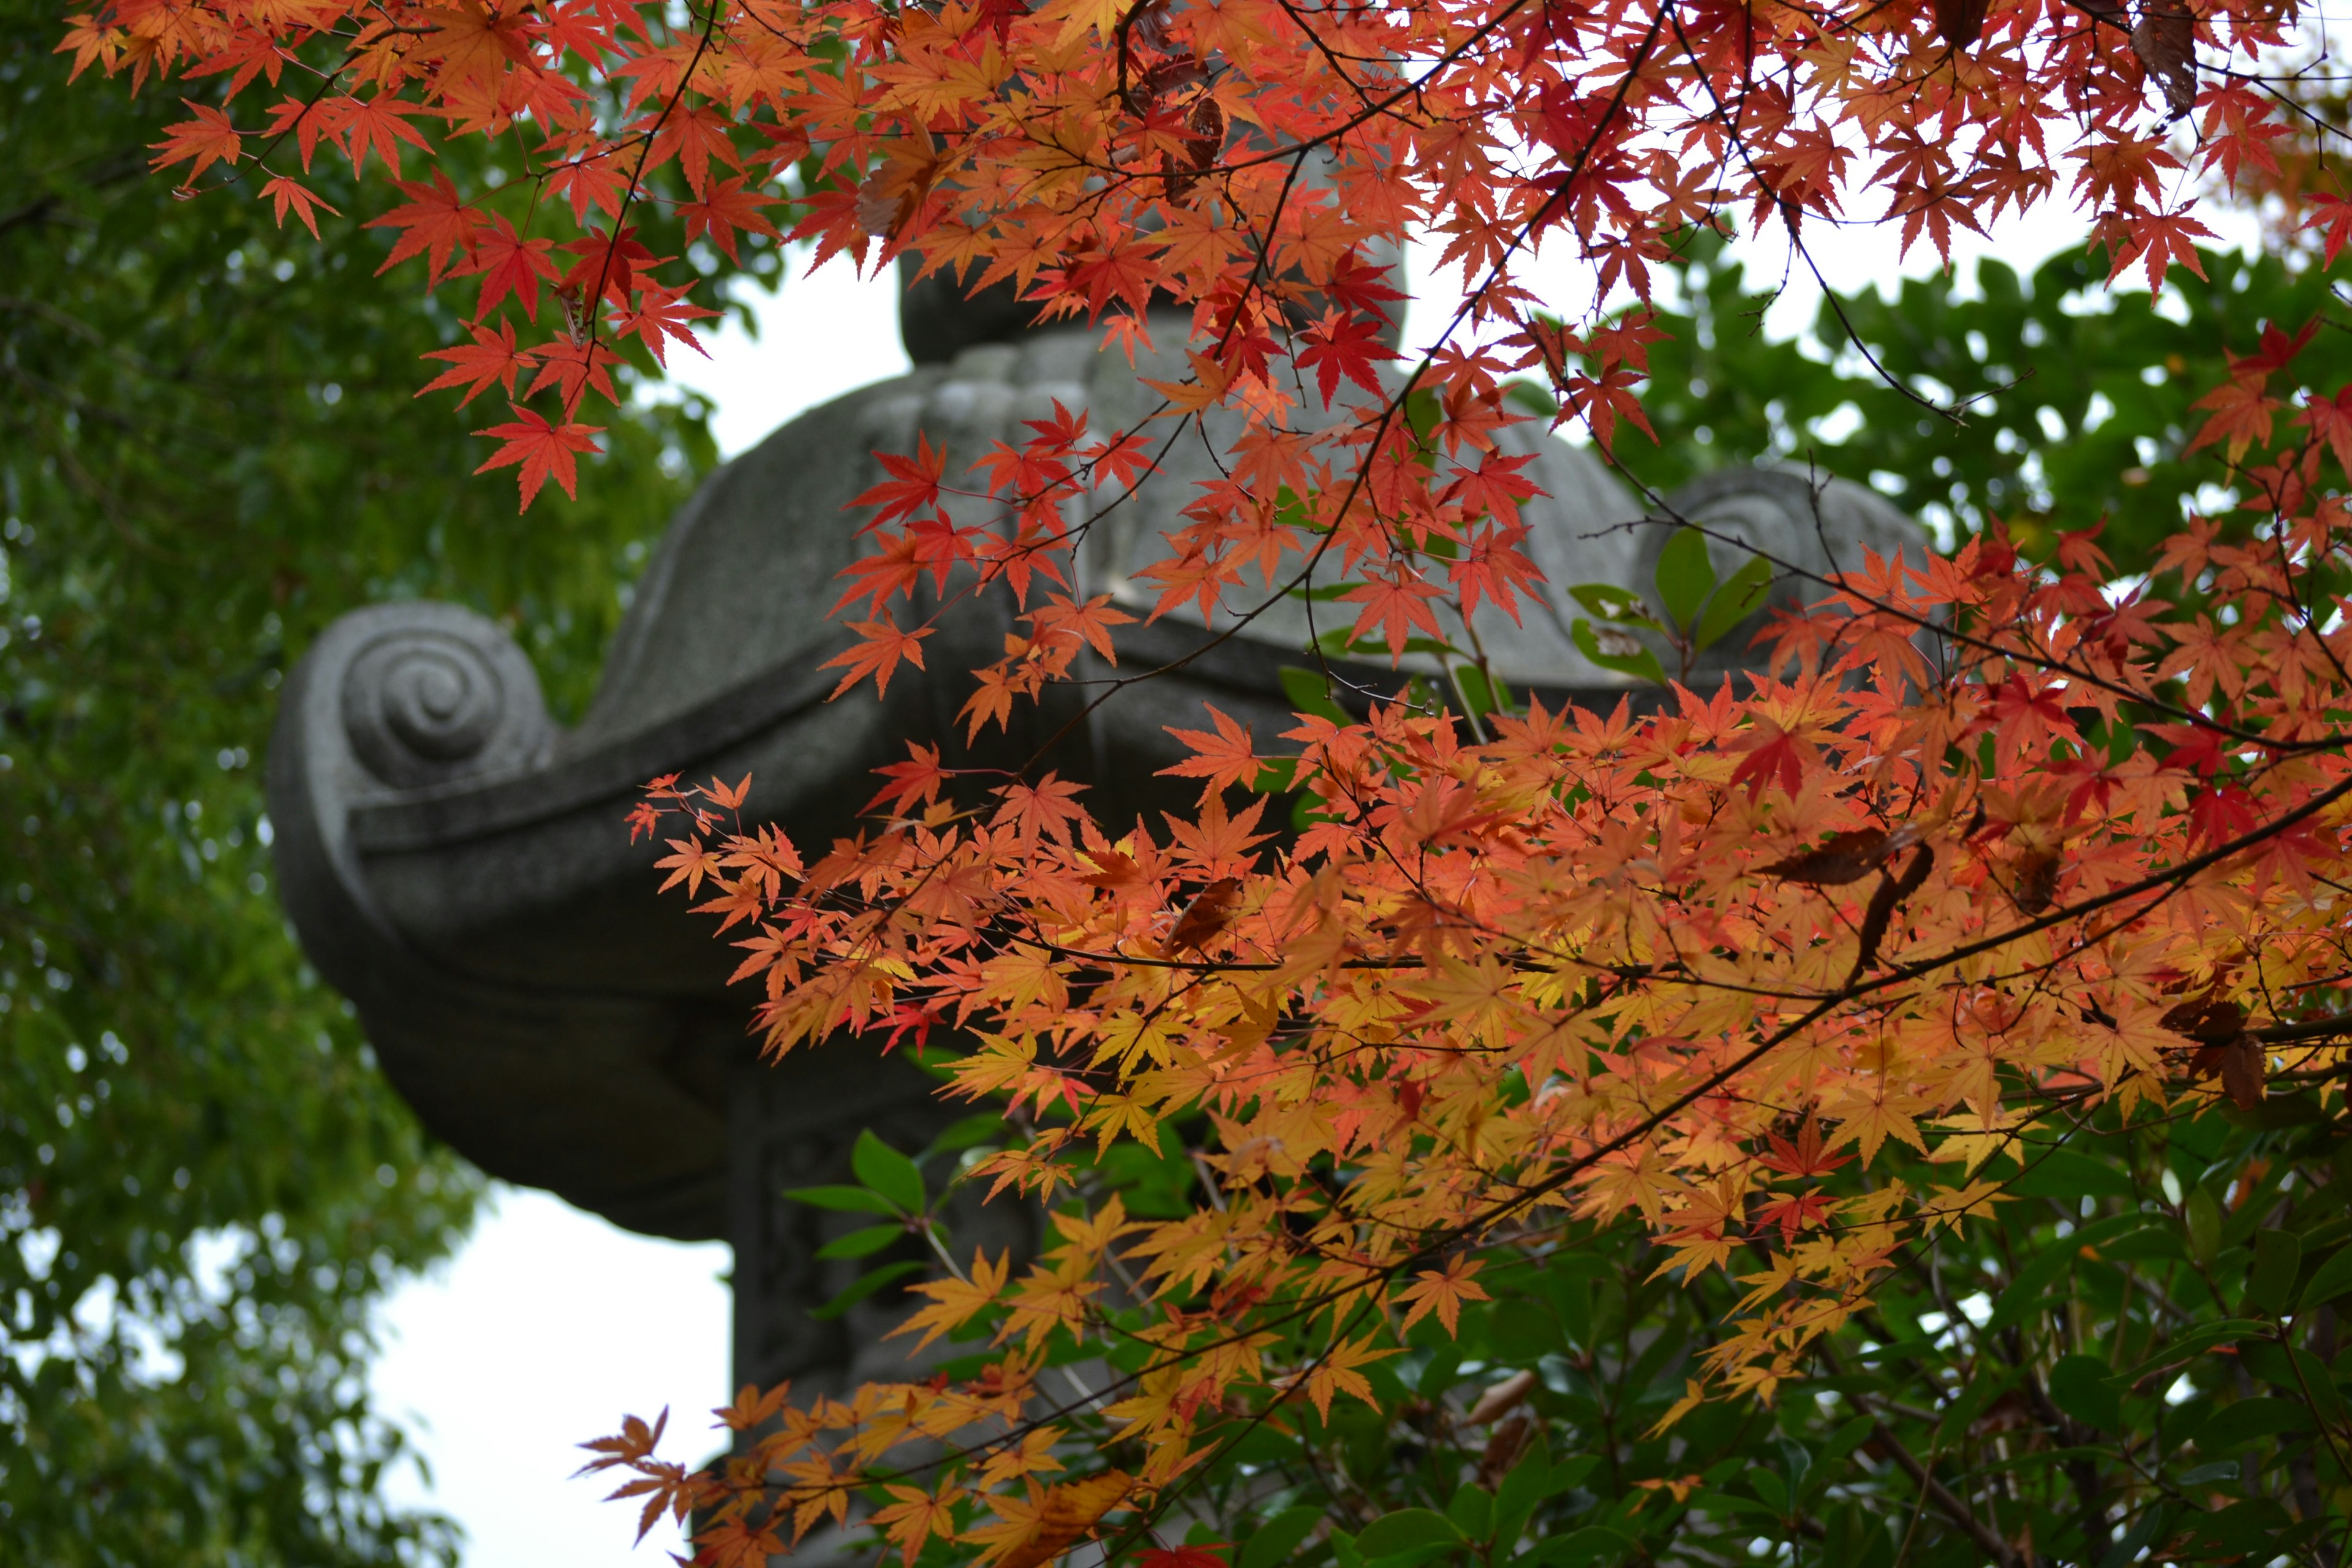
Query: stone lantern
x,y
457,865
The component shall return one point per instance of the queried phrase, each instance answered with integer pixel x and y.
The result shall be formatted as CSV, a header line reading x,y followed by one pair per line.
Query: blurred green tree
x,y
207,451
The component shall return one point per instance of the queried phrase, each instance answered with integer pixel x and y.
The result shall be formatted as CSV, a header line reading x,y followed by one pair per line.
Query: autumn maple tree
x,y
1792,987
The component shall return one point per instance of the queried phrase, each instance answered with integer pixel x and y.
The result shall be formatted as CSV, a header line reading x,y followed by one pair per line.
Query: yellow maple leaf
x,y
1442,1292
955,1302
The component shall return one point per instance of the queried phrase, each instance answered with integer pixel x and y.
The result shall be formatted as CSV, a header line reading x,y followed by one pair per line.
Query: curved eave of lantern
x,y
458,867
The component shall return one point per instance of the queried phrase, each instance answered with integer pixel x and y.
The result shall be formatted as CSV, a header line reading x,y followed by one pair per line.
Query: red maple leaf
x,y
913,487
917,780
2332,211
1341,345
2330,420
509,264
1804,1158
2218,814
1202,1556
284,195
1396,604
543,450
660,315
434,222
1772,751
490,357
2277,351
724,209
379,122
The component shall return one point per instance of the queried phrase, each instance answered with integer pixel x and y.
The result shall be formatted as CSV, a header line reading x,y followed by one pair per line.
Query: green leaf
x,y
2331,1279
2204,1218
1529,1482
1472,1511
853,1200
2070,1173
1422,410
2046,1270
1733,601
1310,693
862,1243
1593,1544
1530,397
1685,576
2248,1419
2270,1285
968,1133
2144,1529
2196,1342
1476,694
1403,1530
1278,1537
2080,1386
1643,663
888,1172
866,1285
1611,602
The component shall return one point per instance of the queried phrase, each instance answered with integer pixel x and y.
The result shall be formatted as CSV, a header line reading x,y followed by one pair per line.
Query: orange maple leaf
x,y
200,142
881,645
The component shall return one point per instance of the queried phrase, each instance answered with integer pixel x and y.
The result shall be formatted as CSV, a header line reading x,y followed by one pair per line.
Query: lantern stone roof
x,y
456,864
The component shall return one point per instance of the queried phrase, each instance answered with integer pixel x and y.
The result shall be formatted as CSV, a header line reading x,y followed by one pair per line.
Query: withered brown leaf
x,y
2164,39
2037,881
2207,1018
1960,23
1204,917
2240,1064
1847,857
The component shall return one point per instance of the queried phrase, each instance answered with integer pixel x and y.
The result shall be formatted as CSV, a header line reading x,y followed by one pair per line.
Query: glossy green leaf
x,y
863,1243
1406,1530
2082,1387
1472,1511
2332,1278
851,1200
2269,1284
1309,692
1642,662
1278,1537
1741,596
2242,1422
1685,576
865,1285
888,1172
1611,602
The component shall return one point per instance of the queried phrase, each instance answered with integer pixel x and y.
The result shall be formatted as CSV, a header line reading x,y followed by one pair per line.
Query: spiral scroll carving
x,y
426,704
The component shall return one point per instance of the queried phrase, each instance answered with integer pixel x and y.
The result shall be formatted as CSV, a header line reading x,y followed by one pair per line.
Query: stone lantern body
x,y
456,865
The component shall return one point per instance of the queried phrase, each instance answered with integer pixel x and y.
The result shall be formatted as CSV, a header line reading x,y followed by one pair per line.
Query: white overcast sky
x,y
551,1324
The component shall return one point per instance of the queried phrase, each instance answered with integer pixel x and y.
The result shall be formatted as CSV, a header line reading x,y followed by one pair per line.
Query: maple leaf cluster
x,y
1995,848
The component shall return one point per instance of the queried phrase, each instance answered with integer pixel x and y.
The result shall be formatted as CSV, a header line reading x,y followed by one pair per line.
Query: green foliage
x,y
2077,403
208,449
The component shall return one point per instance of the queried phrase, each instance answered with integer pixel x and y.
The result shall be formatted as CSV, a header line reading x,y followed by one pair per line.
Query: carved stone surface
x,y
456,865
